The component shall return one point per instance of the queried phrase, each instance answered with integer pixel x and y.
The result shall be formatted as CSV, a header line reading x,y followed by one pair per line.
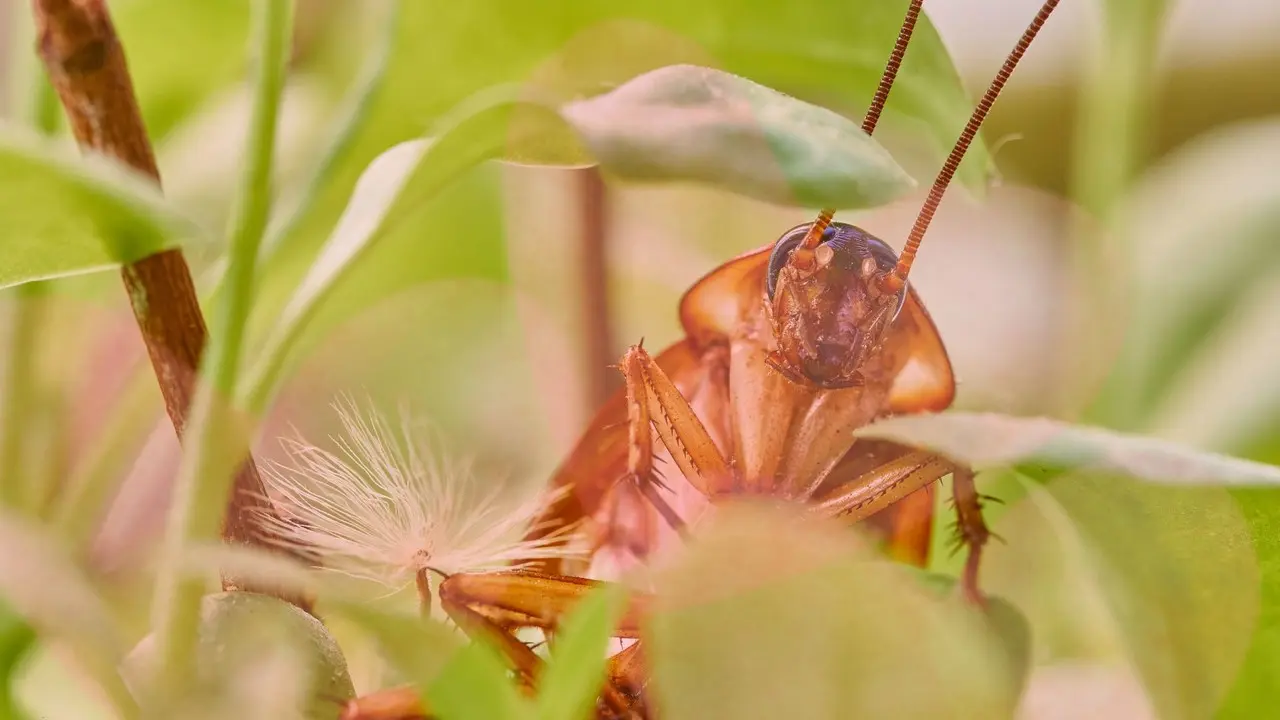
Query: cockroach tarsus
x,y
788,348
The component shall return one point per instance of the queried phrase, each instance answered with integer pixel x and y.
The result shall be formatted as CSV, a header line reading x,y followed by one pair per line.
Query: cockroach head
x,y
827,304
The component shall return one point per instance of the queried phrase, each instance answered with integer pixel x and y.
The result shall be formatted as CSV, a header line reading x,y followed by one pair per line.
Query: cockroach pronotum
x,y
788,349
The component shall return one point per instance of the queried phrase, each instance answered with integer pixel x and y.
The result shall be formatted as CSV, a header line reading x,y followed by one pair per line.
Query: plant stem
x,y
358,102
218,438
86,64
17,488
80,505
594,262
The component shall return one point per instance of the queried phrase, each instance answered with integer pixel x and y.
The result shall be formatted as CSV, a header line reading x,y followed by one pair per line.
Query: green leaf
x,y
1227,394
686,122
258,657
180,52
17,638
569,686
1042,447
1258,680
767,614
419,648
65,215
43,586
1181,287
1003,619
475,685
457,680
392,190
1159,581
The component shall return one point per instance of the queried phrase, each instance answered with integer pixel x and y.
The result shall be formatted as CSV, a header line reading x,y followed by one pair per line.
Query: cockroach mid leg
x,y
971,530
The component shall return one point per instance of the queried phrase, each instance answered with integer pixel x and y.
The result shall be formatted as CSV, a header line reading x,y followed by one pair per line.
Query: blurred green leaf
x,y
1200,250
1226,395
1005,621
1041,447
16,640
459,681
180,52
571,682
1115,572
419,648
691,123
1258,681
65,215
475,685
394,187
771,615
45,587
258,657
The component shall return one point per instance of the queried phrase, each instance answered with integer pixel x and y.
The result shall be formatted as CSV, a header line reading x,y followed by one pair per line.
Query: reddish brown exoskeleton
x,y
789,348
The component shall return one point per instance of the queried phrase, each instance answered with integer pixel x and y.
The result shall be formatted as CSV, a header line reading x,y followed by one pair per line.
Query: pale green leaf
x,y
569,686
1199,249
45,587
475,686
769,615
1043,447
257,657
1158,581
685,122
419,648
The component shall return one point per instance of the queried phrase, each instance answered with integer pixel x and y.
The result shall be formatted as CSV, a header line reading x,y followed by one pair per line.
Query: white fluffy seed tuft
x,y
388,505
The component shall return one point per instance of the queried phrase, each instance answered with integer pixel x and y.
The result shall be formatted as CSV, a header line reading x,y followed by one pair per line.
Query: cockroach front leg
x,y
655,399
655,404
868,494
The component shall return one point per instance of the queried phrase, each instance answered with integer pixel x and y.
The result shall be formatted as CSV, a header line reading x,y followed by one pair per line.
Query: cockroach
x,y
788,349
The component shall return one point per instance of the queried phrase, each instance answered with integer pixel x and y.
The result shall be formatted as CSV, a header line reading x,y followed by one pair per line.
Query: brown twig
x,y
80,50
599,348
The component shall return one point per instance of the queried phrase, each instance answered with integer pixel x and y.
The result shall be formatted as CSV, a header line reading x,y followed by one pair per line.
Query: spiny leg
x,y
971,530
640,410
907,525
653,397
654,403
877,489
882,486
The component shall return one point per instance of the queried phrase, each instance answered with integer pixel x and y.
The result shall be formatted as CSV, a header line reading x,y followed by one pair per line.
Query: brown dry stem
x,y
594,273
80,50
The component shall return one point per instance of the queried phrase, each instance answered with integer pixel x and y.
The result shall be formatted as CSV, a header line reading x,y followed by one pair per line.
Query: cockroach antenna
x,y
894,281
873,112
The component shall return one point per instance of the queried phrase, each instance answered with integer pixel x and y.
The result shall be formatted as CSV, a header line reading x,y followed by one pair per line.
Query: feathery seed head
x,y
388,505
